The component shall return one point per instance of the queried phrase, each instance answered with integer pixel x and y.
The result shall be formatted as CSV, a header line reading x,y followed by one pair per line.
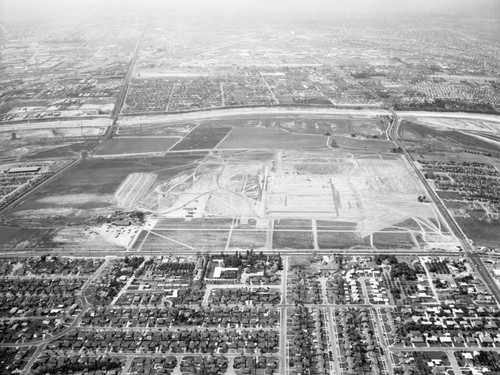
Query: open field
x,y
17,238
293,240
45,149
83,131
384,240
335,225
361,144
262,138
443,138
483,233
76,124
202,138
87,189
206,223
133,188
341,240
154,129
247,114
247,239
291,183
291,224
199,240
136,145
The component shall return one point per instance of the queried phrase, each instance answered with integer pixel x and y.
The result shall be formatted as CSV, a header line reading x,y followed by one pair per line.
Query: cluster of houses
x,y
245,295
308,336
358,344
222,317
450,325
304,287
209,365
38,297
179,341
13,360
153,365
20,331
148,95
81,364
255,365
344,289
51,265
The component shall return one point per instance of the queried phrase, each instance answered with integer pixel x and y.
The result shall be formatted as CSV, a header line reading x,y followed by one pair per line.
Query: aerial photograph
x,y
250,187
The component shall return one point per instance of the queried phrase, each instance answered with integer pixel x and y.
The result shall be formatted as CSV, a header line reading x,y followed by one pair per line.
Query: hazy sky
x,y
21,8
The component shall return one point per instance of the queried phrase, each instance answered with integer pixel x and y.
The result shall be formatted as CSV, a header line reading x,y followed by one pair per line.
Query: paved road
x,y
392,133
283,316
486,275
120,100
96,252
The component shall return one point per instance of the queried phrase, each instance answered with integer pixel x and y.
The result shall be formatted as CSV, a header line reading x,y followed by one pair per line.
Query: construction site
x,y
292,199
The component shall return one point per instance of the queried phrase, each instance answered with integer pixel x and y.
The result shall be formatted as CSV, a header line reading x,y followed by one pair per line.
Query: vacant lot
x,y
293,240
198,240
154,129
341,240
335,225
449,195
247,239
137,145
374,146
384,240
16,238
444,139
87,188
209,223
262,138
46,148
289,224
483,233
202,138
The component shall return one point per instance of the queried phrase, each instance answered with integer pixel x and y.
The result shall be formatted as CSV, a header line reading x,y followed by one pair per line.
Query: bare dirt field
x,y
198,240
293,240
289,224
87,189
18,238
428,137
203,137
383,240
483,233
153,129
136,145
263,138
206,223
247,239
34,148
350,143
341,240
